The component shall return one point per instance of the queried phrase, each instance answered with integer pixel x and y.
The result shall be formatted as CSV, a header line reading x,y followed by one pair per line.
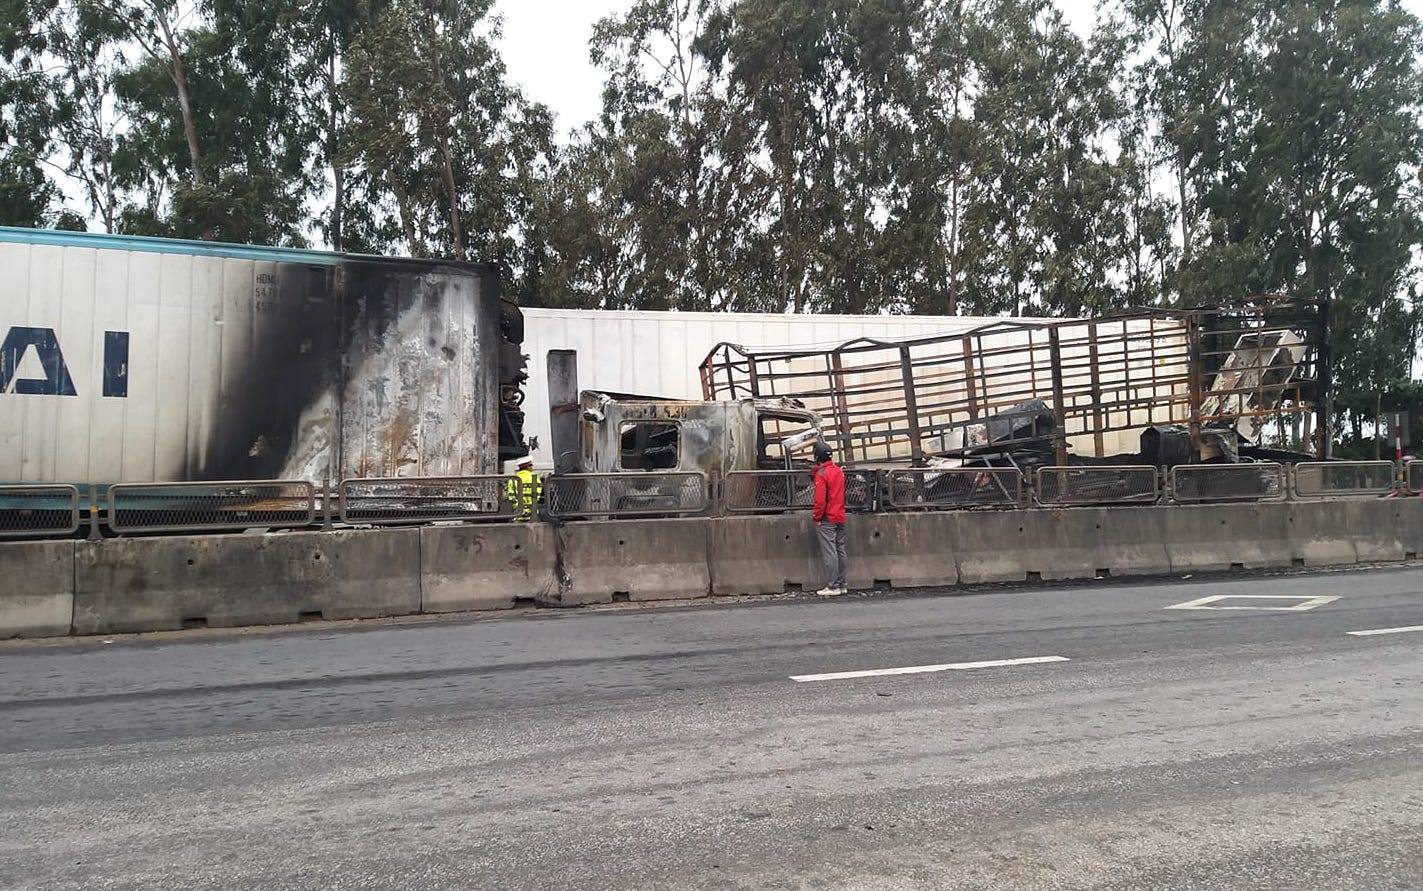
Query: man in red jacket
x,y
829,516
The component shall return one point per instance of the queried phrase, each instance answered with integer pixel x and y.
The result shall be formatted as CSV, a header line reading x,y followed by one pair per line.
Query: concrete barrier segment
x,y
902,550
485,566
1221,537
764,554
608,561
36,588
1319,533
167,583
1128,541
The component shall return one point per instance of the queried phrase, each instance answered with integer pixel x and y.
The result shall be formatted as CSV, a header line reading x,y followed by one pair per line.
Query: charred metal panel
x,y
563,409
369,369
513,375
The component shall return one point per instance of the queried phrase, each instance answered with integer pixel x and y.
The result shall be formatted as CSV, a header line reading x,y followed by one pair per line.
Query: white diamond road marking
x,y
1213,602
1372,631
921,669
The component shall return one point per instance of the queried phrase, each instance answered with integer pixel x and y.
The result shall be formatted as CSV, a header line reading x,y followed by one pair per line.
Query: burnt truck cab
x,y
623,432
672,439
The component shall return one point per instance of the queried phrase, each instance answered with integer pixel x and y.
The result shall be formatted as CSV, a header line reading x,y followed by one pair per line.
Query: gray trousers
x,y
832,552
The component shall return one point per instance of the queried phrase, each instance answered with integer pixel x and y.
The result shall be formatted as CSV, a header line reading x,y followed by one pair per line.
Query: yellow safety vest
x,y
532,485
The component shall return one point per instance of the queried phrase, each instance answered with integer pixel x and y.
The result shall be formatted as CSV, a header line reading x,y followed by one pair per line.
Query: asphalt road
x,y
670,748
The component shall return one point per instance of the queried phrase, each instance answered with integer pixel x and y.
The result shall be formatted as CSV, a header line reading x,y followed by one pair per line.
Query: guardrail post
x,y
94,534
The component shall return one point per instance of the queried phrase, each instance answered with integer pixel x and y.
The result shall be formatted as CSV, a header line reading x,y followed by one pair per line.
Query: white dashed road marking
x,y
1214,602
1374,631
922,669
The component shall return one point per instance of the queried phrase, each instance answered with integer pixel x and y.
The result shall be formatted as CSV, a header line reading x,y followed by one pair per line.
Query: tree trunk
x,y
1378,421
951,306
190,130
338,173
447,173
402,207
180,78
1185,217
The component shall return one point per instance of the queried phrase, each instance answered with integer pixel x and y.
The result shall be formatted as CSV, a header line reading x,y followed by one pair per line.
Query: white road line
x,y
921,669
1305,602
1385,631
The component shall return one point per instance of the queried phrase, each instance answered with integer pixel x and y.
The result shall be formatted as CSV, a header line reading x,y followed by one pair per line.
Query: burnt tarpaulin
x,y
1166,445
1169,445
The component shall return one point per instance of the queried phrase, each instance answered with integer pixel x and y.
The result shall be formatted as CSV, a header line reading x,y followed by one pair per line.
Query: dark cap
x,y
822,452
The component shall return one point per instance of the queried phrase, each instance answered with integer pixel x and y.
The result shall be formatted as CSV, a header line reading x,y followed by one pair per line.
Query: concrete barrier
x,y
487,566
989,546
1319,533
1217,537
1025,545
36,588
764,555
162,583
1062,544
1333,533
1376,528
902,550
157,584
1410,525
1129,541
606,561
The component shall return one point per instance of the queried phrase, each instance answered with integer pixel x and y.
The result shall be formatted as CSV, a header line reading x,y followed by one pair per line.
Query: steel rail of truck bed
x,y
907,401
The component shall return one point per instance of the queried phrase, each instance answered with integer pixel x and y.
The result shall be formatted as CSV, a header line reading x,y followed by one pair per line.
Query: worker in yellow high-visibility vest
x,y
532,486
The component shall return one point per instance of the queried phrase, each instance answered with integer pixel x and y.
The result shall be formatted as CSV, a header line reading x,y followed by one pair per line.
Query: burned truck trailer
x,y
1083,389
131,359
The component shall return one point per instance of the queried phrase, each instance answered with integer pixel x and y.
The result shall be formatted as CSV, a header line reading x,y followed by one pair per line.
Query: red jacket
x,y
829,493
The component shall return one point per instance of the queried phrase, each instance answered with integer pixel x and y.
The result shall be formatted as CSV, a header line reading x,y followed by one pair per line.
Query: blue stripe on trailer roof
x,y
149,244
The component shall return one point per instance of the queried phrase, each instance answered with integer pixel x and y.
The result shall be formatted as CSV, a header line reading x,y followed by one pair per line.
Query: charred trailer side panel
x,y
138,359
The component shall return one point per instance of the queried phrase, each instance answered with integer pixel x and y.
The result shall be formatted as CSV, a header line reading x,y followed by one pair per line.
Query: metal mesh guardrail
x,y
765,491
1413,477
176,507
775,491
1106,484
1227,482
861,490
1343,479
626,494
957,487
38,511
429,499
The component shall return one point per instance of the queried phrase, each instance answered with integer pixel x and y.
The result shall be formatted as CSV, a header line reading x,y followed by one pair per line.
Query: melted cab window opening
x,y
771,431
649,446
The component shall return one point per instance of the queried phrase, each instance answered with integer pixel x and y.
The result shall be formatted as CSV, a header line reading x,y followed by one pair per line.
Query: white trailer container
x,y
130,359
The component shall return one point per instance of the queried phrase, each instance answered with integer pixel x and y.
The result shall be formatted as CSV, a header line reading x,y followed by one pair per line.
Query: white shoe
x,y
839,591
829,592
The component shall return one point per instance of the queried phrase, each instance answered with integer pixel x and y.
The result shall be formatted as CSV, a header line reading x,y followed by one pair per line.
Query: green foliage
x,y
1294,126
845,156
27,196
433,122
